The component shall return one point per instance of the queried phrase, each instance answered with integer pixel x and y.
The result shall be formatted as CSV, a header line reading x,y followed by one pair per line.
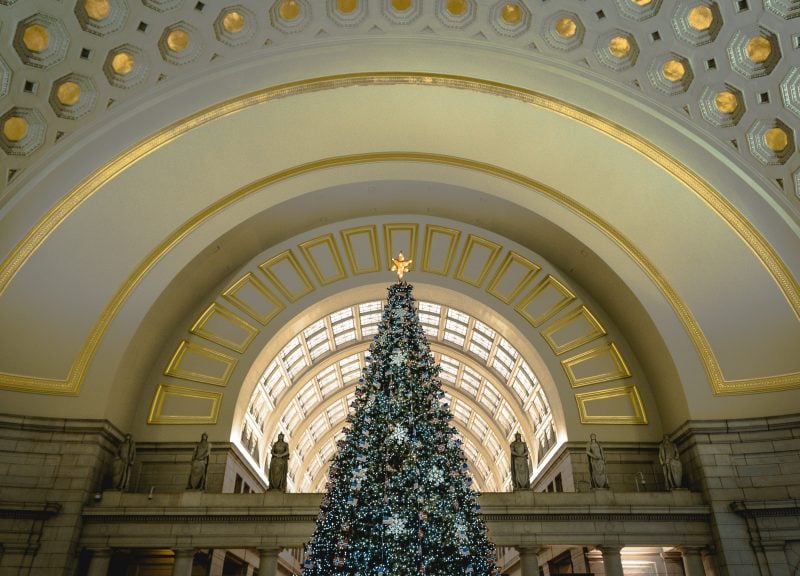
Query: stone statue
x,y
597,463
123,463
199,469
279,465
670,463
520,468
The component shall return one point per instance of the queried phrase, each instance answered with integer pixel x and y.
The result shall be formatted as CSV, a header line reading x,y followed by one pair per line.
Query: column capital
x,y
610,549
691,550
183,552
100,552
692,561
99,561
530,549
268,563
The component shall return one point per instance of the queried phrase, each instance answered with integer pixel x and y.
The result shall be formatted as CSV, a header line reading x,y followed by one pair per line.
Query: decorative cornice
x,y
126,517
61,425
26,511
766,508
693,516
691,429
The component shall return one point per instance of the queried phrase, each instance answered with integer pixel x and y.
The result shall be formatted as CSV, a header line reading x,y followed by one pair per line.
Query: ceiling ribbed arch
x,y
489,440
305,390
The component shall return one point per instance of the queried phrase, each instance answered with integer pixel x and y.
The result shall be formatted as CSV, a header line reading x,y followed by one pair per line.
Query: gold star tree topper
x,y
400,265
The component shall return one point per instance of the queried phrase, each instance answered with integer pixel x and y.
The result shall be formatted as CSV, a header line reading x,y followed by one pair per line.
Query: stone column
x,y
692,561
529,560
217,562
268,566
184,558
709,563
98,565
612,561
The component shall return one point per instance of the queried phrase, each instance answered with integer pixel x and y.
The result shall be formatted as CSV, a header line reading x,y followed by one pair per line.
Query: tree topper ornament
x,y
400,265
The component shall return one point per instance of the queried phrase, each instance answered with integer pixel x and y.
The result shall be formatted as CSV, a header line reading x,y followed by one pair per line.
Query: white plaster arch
x,y
159,193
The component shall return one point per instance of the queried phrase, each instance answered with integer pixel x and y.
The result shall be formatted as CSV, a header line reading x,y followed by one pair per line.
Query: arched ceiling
x,y
127,231
724,69
534,354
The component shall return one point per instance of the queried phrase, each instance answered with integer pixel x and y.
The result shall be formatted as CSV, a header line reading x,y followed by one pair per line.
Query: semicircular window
x,y
306,390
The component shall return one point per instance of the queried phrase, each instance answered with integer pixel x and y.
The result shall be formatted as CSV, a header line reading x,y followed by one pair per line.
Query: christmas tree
x,y
399,500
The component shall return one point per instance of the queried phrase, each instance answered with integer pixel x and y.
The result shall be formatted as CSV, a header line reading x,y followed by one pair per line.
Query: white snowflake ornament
x,y
398,358
399,436
397,526
436,476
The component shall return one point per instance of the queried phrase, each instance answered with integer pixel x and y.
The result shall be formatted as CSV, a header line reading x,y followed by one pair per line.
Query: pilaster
x,y
268,565
99,563
184,559
529,559
612,560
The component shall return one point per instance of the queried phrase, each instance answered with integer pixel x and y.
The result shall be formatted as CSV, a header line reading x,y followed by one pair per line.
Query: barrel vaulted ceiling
x,y
607,188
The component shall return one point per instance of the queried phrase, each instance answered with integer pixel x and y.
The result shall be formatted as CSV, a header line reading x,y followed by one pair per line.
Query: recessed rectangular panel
x,y
439,249
621,405
221,326
546,300
192,361
514,274
181,405
572,330
361,246
401,238
476,260
285,272
251,296
323,257
600,364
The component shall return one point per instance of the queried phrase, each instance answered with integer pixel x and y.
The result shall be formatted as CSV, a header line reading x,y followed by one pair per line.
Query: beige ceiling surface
x,y
705,254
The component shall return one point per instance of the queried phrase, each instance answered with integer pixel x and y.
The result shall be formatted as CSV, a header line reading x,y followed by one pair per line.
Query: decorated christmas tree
x,y
399,500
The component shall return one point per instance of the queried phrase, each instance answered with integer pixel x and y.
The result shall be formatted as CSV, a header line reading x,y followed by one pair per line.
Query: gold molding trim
x,y
473,241
185,347
430,231
410,252
512,258
250,279
596,330
724,209
621,368
632,392
287,256
536,321
372,235
326,240
215,309
165,390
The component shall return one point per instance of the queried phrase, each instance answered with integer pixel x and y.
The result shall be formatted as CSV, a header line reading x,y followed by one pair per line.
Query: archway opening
x,y
305,390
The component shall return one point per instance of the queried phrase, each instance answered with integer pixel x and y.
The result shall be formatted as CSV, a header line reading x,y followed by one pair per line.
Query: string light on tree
x,y
399,501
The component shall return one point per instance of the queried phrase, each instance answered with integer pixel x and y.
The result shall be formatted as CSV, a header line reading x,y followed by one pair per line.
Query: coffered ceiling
x,y
726,70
